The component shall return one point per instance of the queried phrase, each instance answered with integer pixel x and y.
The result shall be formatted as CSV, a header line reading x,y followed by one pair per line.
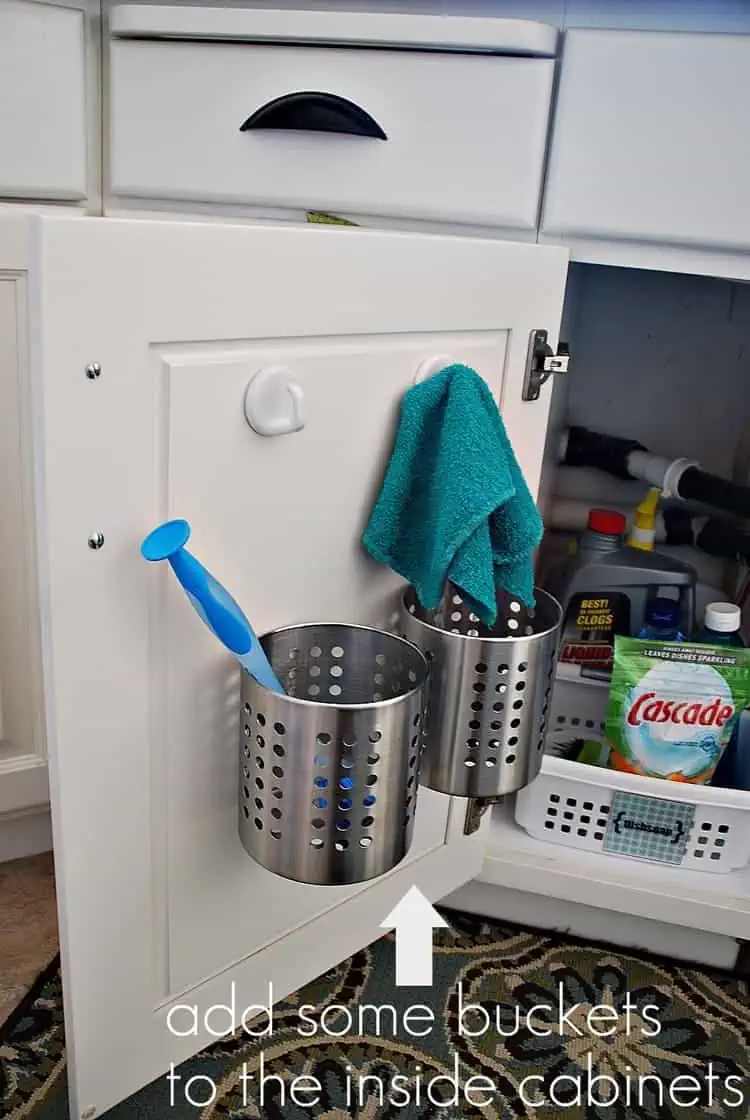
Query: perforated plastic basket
x,y
573,805
329,772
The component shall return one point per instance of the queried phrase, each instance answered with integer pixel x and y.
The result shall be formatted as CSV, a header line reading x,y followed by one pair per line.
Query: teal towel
x,y
454,506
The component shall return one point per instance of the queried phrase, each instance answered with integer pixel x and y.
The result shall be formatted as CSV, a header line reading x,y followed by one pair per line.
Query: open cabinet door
x,y
143,339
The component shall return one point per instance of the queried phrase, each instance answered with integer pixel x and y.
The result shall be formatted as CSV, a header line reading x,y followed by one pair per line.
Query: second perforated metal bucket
x,y
329,772
489,691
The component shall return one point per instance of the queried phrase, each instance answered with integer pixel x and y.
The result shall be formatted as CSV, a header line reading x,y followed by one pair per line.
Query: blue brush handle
x,y
213,603
259,667
224,617
216,606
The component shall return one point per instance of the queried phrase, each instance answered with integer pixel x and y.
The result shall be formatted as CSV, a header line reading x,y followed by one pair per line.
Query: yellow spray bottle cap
x,y
643,532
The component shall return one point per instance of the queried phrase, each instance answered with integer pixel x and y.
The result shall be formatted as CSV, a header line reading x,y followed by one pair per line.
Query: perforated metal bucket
x,y
489,691
329,771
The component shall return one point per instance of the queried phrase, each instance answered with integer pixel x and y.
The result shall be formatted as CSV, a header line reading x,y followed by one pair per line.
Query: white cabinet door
x,y
648,143
159,903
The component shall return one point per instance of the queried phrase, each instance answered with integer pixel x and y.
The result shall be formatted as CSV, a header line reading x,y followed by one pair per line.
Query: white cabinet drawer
x,y
650,140
42,102
464,134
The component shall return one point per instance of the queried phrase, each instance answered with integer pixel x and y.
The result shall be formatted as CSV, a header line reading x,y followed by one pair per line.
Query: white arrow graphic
x,y
413,919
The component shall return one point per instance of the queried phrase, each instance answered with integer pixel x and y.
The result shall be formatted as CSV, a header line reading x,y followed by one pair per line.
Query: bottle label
x,y
591,623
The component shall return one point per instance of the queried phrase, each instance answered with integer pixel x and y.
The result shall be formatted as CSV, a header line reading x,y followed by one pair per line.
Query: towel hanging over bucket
x,y
454,505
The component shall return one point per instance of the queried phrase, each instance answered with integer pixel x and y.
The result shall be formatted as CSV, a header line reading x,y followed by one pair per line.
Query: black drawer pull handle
x,y
314,112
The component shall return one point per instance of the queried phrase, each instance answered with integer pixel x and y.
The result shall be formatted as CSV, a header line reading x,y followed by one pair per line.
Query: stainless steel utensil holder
x,y
489,691
329,772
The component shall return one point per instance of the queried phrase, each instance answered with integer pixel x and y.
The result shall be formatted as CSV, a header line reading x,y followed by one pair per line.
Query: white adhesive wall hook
x,y
430,366
274,403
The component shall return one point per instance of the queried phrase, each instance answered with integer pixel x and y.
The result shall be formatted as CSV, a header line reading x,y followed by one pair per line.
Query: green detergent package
x,y
673,707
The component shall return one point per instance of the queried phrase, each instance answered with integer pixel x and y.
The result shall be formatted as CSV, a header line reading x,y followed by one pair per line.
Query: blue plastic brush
x,y
214,604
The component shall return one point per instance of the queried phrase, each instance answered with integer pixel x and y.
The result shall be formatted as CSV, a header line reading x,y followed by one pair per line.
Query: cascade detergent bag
x,y
673,707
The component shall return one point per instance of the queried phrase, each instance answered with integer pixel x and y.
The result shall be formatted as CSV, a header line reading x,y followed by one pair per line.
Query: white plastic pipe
x,y
664,474
656,470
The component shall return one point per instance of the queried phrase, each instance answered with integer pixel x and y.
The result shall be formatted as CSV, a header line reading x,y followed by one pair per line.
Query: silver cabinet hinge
x,y
541,362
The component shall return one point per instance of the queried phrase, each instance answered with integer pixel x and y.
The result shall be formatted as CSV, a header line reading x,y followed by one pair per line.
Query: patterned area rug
x,y
535,1025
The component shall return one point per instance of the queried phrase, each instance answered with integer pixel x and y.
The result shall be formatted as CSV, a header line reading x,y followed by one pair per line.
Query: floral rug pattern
x,y
520,1024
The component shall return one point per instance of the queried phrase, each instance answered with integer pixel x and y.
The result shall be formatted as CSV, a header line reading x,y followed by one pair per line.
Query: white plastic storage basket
x,y
625,816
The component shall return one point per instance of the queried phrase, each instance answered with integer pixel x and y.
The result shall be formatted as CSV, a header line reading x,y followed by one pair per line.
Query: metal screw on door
x,y
96,540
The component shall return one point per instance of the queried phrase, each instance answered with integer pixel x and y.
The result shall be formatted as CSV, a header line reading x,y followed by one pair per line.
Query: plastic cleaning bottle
x,y
721,625
643,530
605,532
662,622
608,589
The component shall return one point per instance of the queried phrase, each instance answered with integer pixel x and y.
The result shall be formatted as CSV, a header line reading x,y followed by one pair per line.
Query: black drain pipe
x,y
676,478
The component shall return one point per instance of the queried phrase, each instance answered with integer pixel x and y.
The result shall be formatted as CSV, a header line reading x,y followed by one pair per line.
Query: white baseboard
x,y
25,833
629,931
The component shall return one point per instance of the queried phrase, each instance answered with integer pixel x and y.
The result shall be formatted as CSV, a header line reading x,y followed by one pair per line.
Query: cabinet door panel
x,y
158,901
647,143
285,540
23,767
42,102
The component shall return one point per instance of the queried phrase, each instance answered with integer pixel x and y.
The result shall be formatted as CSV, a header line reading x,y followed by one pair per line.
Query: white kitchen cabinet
x,y
44,101
648,166
290,112
141,338
24,793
